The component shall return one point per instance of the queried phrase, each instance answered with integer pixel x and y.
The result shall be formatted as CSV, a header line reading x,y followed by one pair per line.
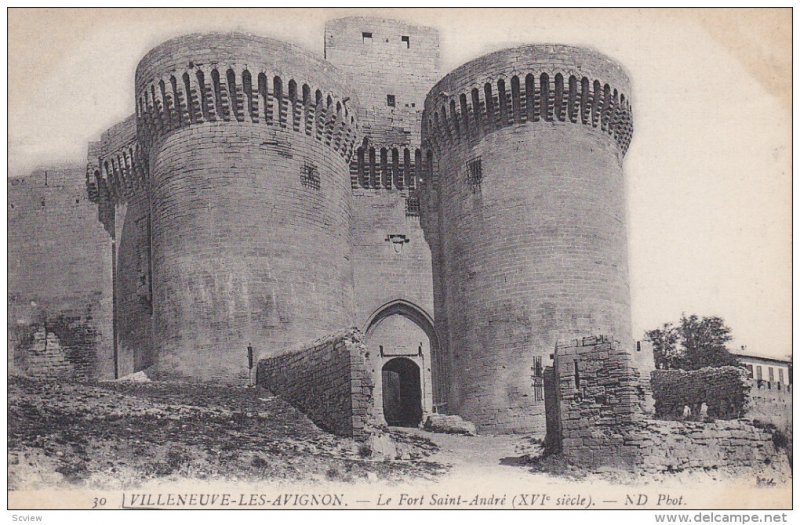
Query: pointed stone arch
x,y
406,309
400,314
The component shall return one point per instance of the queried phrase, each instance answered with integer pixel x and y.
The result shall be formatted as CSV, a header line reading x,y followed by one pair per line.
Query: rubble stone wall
x,y
724,390
599,395
328,380
683,445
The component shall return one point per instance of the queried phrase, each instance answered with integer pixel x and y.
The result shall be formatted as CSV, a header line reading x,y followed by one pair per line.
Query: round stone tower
x,y
247,142
524,210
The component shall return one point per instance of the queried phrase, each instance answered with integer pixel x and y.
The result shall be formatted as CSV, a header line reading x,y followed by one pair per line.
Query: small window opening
x,y
366,37
406,40
577,375
538,378
412,206
474,172
390,101
310,177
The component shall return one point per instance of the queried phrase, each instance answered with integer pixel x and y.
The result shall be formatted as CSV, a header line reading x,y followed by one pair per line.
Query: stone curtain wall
x,y
329,381
601,419
387,268
116,181
671,446
771,406
59,278
134,299
724,390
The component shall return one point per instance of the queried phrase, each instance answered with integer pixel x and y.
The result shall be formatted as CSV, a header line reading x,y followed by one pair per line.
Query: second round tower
x,y
525,215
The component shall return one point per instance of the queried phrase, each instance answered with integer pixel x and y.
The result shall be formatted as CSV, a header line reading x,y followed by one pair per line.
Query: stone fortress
x,y
263,197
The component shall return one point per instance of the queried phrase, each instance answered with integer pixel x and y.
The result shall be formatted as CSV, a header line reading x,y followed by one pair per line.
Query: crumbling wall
x,y
39,353
673,446
598,394
724,390
645,362
552,441
601,418
328,380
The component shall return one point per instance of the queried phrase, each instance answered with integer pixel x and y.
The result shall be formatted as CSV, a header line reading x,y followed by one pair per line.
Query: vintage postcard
x,y
399,259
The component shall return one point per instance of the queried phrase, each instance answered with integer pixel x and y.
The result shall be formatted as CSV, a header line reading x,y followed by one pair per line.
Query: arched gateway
x,y
402,342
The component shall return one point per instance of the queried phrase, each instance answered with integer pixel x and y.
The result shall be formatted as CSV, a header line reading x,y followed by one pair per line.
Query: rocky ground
x,y
120,435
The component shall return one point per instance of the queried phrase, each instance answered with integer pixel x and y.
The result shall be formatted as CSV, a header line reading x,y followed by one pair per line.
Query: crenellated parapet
x,y
534,83
239,78
116,167
388,166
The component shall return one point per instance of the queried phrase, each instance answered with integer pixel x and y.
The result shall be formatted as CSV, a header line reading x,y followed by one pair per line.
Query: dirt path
x,y
482,456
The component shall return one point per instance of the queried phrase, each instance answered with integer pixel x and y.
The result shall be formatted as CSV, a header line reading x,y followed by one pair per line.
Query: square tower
x,y
391,65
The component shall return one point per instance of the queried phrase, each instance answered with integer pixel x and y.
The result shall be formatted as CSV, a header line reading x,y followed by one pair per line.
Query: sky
x,y
708,174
